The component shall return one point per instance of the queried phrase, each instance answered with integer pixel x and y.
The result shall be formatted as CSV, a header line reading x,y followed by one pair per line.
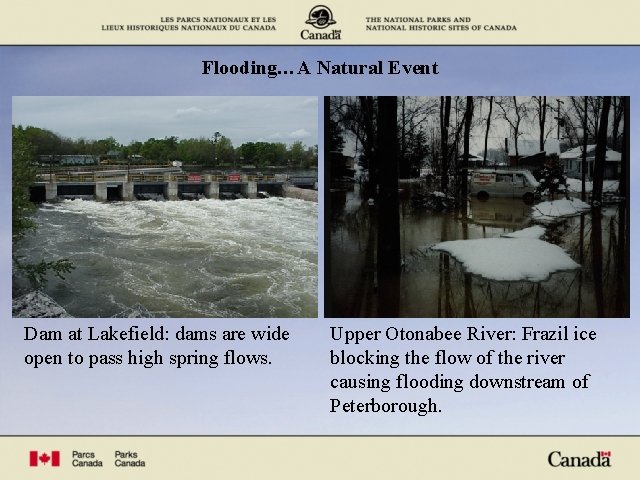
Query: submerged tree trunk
x,y
581,270
622,262
445,113
469,302
388,203
601,153
596,260
444,291
468,116
388,258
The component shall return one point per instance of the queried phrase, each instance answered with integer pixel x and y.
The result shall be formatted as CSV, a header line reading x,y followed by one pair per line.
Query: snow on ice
x,y
536,231
546,212
509,259
575,185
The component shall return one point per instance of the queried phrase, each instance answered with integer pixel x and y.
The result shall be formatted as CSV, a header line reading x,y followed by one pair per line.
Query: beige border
x,y
325,457
543,22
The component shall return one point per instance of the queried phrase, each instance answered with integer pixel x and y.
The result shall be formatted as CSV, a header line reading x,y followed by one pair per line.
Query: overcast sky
x,y
242,119
528,141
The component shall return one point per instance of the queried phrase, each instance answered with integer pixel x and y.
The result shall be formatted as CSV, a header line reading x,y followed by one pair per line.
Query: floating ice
x,y
547,212
575,185
509,259
536,231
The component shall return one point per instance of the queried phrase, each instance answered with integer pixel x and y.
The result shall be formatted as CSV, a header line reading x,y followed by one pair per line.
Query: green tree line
x,y
190,151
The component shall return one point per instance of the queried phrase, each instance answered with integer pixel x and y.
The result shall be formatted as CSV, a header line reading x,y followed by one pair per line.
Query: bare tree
x,y
541,113
445,115
513,112
585,143
486,132
415,113
622,185
366,128
460,109
618,110
592,106
357,115
572,124
601,152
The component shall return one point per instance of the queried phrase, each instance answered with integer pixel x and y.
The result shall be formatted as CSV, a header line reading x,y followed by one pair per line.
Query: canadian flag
x,y
44,458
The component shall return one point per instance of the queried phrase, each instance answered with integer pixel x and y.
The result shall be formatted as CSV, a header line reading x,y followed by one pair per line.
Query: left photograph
x,y
165,207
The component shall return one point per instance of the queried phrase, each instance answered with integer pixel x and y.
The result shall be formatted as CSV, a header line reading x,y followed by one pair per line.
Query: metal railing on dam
x,y
93,177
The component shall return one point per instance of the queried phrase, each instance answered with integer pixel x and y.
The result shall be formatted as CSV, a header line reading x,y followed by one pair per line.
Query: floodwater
x,y
433,284
207,258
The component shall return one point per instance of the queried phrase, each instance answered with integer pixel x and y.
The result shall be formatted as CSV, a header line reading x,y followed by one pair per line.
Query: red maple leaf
x,y
44,458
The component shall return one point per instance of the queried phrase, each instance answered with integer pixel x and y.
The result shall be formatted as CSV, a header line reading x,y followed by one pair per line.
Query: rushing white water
x,y
210,258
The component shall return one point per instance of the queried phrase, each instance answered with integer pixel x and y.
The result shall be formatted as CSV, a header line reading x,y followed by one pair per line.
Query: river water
x,y
432,284
207,258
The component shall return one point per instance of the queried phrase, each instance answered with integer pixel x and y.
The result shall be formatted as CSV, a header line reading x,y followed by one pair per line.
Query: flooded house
x,y
572,162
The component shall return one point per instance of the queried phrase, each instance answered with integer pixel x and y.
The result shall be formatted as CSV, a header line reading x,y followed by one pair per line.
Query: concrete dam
x,y
126,186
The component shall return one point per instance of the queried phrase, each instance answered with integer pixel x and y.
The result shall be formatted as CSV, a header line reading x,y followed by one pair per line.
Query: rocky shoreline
x,y
37,305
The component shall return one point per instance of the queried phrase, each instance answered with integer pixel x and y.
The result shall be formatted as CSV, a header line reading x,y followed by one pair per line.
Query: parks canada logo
x,y
320,18
600,459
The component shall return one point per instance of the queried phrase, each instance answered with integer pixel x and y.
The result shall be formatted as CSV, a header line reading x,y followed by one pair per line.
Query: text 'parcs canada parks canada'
x,y
562,333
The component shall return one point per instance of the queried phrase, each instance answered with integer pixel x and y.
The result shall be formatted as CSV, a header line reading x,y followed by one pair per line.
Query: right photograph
x,y
476,206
